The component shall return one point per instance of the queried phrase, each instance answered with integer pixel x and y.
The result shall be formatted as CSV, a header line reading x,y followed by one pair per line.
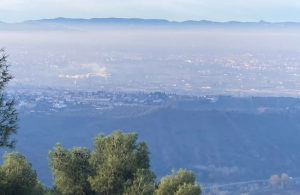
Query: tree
x,y
143,183
188,189
116,160
284,178
274,180
177,183
8,114
38,189
52,191
70,170
117,166
17,177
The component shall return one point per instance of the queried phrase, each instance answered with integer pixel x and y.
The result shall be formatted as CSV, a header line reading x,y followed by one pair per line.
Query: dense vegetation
x,y
117,165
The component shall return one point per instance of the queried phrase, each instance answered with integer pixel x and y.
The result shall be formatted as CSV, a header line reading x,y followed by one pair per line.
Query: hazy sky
x,y
179,10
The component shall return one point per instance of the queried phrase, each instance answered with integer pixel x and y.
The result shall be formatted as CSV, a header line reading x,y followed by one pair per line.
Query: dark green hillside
x,y
219,146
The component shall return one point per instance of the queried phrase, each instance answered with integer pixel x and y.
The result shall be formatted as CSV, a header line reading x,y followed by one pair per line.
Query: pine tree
x,y
8,114
117,159
70,170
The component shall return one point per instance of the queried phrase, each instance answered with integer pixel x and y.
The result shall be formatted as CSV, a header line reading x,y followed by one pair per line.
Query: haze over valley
x,y
218,98
202,59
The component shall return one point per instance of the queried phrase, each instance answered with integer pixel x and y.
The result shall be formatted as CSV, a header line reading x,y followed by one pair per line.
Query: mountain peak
x,y
262,21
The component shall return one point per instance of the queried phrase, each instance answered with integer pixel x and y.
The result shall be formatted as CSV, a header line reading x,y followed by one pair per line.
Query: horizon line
x,y
203,20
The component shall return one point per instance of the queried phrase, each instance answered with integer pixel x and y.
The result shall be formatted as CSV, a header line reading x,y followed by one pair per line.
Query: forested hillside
x,y
219,146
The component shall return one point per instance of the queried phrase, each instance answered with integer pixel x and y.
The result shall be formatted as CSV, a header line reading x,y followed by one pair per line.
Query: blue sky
x,y
173,10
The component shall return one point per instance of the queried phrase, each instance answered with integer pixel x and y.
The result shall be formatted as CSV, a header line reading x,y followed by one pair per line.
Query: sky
x,y
173,10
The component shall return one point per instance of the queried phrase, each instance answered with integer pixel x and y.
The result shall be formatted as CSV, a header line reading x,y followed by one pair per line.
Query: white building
x,y
59,105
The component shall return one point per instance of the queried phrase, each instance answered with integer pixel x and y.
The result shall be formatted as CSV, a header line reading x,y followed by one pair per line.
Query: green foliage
x,y
142,184
52,191
176,183
17,177
188,189
118,166
38,189
116,158
8,114
70,170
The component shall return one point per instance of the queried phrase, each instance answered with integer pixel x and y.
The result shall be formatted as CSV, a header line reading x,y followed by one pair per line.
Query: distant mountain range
x,y
133,23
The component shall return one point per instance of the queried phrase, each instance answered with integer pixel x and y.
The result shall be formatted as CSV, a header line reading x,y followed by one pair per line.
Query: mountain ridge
x,y
115,19
80,24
